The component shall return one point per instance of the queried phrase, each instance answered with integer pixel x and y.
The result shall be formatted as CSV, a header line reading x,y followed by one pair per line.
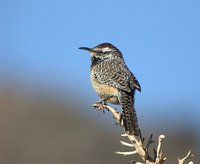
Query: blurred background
x,y
45,91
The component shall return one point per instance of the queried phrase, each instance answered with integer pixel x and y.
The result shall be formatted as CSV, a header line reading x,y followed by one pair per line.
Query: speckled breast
x,y
106,92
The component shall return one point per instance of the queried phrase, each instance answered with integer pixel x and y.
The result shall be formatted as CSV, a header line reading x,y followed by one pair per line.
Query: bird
x,y
114,82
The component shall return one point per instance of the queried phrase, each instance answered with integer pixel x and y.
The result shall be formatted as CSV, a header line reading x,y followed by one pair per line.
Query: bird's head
x,y
104,51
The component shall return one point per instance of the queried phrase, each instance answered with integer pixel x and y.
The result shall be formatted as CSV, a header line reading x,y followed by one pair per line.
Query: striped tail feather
x,y
129,114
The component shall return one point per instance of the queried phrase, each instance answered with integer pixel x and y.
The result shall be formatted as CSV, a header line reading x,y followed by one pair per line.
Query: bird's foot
x,y
99,105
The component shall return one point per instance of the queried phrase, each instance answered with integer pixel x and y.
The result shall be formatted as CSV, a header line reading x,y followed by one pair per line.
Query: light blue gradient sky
x,y
160,41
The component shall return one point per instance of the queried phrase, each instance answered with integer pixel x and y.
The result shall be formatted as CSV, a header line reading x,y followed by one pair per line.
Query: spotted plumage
x,y
113,81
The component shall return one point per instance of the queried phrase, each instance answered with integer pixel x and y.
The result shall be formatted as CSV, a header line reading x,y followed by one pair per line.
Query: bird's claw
x,y
99,106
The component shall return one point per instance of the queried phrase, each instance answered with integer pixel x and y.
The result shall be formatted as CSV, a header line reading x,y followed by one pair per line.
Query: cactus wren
x,y
113,82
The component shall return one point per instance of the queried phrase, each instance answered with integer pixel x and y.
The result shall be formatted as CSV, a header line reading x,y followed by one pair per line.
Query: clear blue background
x,y
160,41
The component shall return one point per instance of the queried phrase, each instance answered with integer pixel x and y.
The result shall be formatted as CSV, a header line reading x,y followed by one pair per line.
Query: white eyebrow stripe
x,y
106,49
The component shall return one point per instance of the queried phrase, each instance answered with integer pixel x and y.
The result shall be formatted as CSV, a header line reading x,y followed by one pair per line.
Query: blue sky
x,y
160,41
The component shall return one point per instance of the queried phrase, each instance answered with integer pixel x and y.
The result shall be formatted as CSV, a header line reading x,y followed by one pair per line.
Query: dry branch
x,y
189,154
137,143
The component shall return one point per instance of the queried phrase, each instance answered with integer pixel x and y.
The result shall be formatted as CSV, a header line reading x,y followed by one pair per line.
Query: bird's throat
x,y
95,60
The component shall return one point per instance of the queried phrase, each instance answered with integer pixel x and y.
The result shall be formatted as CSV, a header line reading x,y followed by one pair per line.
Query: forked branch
x,y
137,143
182,161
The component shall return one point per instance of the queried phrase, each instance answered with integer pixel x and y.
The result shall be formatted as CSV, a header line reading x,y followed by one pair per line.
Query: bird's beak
x,y
87,49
